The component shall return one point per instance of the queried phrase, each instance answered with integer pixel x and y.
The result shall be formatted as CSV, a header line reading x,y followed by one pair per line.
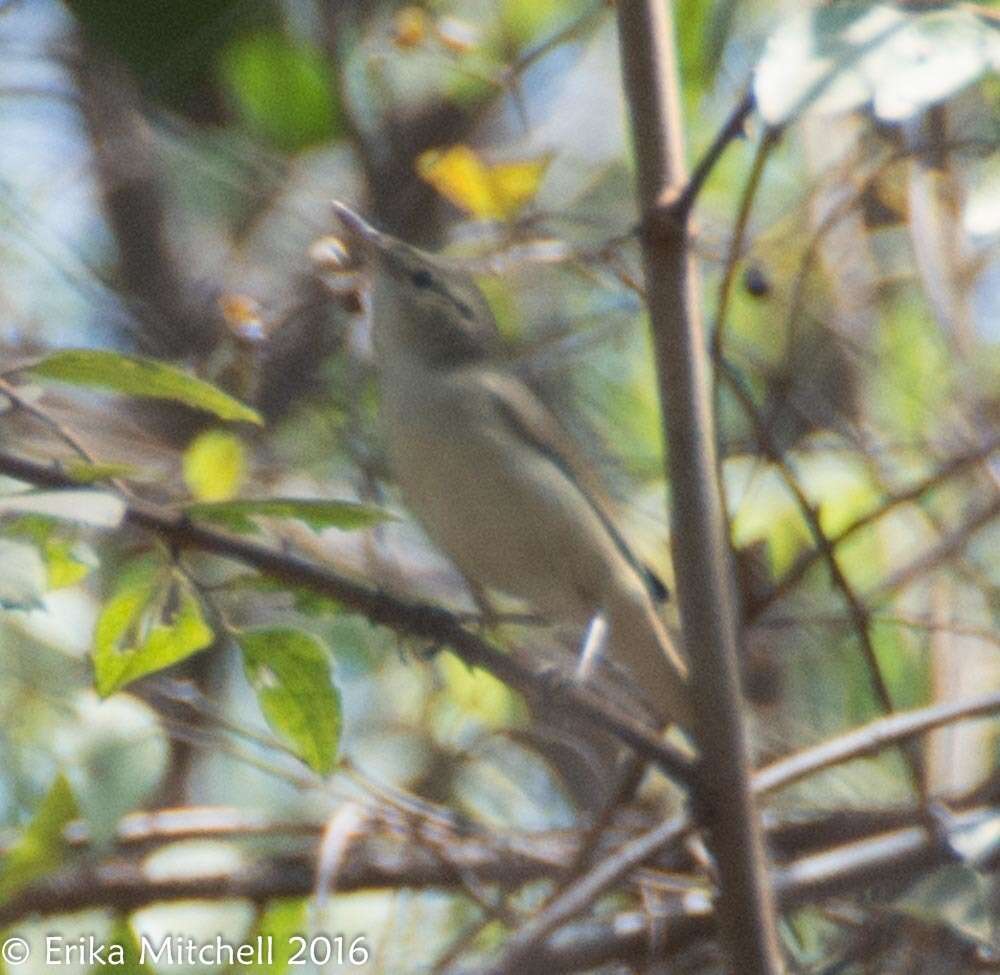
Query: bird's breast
x,y
466,482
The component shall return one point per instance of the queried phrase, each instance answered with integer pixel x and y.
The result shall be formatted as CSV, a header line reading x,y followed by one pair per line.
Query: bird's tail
x,y
640,643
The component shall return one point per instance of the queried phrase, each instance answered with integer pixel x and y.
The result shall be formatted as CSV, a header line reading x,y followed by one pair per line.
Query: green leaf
x,y
317,514
124,953
86,473
290,671
765,511
98,509
152,621
100,369
214,465
284,90
24,579
41,847
278,922
527,20
67,561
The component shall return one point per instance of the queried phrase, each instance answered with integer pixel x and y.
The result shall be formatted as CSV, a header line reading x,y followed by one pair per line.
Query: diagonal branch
x,y
856,608
617,866
409,619
949,469
120,881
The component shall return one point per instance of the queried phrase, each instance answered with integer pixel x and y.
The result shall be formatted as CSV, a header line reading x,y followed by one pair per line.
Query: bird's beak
x,y
359,231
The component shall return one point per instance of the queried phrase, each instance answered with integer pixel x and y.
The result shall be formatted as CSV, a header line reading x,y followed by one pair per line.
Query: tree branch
x,y
871,738
898,856
949,469
868,739
701,555
121,883
420,620
430,855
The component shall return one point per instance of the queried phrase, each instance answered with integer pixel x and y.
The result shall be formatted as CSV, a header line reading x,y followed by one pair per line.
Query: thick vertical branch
x,y
700,549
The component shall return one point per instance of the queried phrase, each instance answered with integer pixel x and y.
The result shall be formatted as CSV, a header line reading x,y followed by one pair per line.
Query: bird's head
x,y
421,303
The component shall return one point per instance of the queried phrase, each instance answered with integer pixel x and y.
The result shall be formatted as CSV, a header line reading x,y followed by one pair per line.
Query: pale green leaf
x,y
290,671
67,561
42,846
316,513
101,369
840,57
936,57
123,954
152,621
214,465
477,692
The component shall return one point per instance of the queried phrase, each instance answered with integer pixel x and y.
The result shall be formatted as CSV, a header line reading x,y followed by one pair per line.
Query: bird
x,y
493,476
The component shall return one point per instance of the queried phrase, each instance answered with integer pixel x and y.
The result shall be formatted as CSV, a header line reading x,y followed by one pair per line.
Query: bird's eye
x,y
422,279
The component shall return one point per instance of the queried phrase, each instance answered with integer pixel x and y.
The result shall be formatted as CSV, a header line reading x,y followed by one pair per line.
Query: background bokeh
x,y
165,178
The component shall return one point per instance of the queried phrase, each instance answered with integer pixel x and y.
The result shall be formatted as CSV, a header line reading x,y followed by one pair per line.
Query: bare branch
x,y
731,129
856,607
870,738
898,856
618,865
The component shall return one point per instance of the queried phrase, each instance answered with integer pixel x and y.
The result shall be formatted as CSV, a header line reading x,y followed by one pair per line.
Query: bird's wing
x,y
531,421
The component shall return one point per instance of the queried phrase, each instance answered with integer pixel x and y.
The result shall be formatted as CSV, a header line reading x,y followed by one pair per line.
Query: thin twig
x,y
856,607
732,129
628,938
949,469
935,557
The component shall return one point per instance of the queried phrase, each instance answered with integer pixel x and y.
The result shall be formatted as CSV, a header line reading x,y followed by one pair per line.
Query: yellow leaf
x,y
488,192
214,465
477,692
518,182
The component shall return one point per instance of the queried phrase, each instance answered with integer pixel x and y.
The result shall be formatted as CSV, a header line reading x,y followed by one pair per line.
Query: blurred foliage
x,y
283,91
41,846
99,369
174,49
856,357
